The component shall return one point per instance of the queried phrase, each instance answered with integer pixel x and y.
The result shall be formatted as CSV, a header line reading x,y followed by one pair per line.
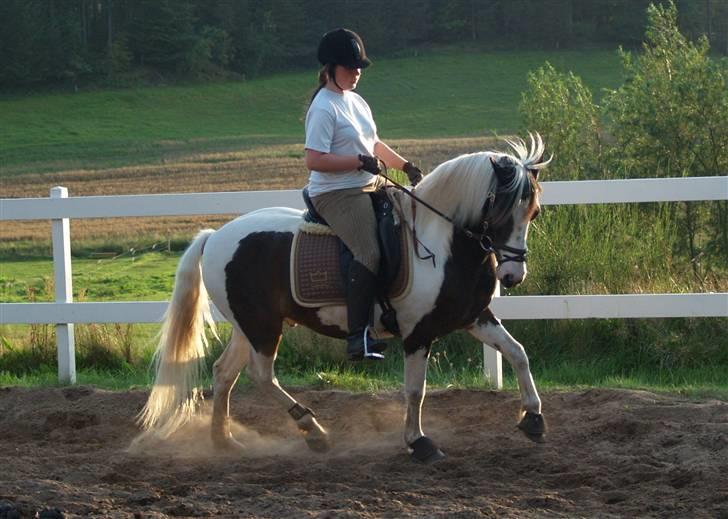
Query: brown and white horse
x,y
489,200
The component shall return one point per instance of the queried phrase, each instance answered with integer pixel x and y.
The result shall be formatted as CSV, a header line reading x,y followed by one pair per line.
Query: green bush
x,y
560,107
668,119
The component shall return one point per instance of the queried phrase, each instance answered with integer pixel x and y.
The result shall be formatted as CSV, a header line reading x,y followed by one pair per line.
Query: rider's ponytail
x,y
326,72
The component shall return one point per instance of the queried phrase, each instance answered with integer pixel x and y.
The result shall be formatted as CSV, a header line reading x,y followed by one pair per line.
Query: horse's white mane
x,y
529,157
460,186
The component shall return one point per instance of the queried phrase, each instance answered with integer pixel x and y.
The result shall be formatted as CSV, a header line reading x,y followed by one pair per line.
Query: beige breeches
x,y
350,215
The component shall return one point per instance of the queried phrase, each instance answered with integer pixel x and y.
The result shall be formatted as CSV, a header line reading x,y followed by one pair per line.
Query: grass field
x,y
247,135
432,95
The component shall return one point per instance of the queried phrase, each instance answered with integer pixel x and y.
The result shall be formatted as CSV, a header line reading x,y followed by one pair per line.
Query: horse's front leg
x,y
488,329
415,381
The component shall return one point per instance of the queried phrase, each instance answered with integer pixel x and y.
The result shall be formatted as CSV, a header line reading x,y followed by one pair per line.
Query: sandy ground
x,y
608,454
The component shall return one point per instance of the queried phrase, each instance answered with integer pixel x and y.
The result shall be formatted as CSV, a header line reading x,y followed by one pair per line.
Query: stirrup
x,y
370,354
364,352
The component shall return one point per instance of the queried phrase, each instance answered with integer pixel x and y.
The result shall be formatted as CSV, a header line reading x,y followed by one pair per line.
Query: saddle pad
x,y
316,278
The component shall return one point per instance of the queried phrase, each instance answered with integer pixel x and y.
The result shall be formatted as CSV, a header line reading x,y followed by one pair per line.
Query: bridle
x,y
486,243
520,254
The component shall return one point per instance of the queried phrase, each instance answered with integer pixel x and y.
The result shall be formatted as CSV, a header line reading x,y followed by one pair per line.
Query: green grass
x,y
443,94
126,277
48,376
571,253
698,384
433,95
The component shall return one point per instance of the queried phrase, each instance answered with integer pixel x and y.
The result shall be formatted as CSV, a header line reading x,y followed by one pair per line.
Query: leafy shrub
x,y
560,107
668,119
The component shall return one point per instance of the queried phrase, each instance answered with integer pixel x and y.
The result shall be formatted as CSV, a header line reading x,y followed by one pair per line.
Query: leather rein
x,y
485,242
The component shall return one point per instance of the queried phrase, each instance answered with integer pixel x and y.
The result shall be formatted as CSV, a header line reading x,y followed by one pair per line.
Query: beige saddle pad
x,y
316,278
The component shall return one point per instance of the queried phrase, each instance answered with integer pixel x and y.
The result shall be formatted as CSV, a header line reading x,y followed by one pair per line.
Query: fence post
x,y
492,358
65,341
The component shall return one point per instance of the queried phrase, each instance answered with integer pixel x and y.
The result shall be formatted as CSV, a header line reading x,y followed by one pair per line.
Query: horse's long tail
x,y
179,358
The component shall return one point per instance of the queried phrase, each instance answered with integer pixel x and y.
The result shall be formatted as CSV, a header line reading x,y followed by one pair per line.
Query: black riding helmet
x,y
342,47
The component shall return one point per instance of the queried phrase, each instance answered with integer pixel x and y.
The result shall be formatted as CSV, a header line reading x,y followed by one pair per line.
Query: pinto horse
x,y
484,204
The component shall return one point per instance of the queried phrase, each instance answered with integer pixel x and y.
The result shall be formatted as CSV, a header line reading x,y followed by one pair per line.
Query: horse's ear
x,y
504,170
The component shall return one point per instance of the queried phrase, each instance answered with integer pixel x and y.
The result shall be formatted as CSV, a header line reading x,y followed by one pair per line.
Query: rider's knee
x,y
370,260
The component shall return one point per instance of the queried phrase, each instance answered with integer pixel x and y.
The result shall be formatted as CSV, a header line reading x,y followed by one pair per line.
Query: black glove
x,y
370,164
413,173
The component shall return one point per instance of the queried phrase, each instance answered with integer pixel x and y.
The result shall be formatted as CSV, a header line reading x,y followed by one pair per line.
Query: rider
x,y
342,154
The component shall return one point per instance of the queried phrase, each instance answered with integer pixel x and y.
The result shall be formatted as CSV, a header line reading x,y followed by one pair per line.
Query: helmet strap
x,y
332,75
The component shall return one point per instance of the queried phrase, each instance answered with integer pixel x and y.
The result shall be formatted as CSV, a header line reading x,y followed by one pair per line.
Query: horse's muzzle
x,y
511,274
509,281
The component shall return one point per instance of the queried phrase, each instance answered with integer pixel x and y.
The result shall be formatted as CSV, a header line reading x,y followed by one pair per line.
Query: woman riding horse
x,y
341,145
485,202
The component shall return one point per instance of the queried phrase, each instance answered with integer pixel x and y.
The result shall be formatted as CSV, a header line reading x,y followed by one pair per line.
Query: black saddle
x,y
389,234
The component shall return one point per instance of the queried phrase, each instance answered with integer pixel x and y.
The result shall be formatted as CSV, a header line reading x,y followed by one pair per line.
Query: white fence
x,y
60,208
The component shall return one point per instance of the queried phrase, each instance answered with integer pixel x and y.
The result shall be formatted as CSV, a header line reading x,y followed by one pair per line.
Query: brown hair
x,y
326,72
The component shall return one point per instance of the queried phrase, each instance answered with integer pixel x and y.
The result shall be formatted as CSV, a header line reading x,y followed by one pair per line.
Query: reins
x,y
482,238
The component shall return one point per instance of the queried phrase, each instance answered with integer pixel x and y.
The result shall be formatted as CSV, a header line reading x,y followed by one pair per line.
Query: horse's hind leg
x,y
261,371
226,371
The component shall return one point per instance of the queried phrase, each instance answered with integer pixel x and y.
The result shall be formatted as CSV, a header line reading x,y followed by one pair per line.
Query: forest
x,y
116,42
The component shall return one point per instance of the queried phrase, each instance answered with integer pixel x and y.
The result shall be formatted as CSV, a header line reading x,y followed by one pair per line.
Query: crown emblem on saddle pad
x,y
316,275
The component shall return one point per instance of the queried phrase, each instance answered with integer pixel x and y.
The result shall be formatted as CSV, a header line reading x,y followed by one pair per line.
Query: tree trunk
x,y
110,35
473,21
109,29
84,25
709,21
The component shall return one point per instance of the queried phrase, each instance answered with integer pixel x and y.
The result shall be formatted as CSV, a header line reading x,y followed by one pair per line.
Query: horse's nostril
x,y
508,280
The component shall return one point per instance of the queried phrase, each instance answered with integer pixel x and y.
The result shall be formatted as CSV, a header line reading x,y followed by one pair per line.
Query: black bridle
x,y
519,254
485,241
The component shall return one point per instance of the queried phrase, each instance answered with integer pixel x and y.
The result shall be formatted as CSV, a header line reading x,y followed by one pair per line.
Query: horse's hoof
x,y
533,426
424,450
319,444
228,445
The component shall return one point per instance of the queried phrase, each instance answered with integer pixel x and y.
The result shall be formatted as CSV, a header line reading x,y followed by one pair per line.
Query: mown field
x,y
444,94
247,135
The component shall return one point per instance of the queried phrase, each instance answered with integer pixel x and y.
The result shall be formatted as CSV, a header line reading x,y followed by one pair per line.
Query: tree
x,y
671,115
560,108
670,118
163,35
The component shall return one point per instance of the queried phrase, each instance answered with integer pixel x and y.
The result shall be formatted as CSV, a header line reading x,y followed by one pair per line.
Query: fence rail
x,y
60,208
184,204
512,307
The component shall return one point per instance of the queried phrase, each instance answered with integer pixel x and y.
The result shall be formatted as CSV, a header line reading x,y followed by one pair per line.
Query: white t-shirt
x,y
341,124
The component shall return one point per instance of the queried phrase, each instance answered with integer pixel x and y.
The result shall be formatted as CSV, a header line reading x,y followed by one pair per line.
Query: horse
x,y
475,225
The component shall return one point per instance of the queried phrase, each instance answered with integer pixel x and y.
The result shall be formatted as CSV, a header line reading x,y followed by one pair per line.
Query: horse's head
x,y
515,206
494,196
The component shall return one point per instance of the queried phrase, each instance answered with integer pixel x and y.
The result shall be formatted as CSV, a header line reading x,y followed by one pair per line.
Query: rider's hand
x,y
369,164
413,173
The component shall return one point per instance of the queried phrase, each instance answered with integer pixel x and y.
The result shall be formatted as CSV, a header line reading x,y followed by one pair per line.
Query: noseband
x,y
517,255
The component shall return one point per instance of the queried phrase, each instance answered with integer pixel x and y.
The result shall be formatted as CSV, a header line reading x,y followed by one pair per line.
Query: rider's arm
x,y
390,157
330,163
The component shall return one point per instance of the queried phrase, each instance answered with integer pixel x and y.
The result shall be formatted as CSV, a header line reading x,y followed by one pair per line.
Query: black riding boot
x,y
360,288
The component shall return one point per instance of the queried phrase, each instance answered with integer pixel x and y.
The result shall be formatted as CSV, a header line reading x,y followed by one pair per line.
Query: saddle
x,y
319,260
